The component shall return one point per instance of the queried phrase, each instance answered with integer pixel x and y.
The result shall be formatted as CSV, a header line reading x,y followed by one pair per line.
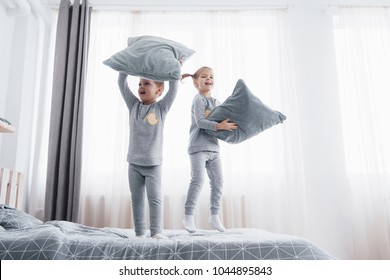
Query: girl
x,y
203,150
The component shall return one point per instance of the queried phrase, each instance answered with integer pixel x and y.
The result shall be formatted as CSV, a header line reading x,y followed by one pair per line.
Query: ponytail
x,y
186,76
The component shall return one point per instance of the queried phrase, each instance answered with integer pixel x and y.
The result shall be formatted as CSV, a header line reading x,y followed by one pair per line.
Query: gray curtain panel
x,y
66,120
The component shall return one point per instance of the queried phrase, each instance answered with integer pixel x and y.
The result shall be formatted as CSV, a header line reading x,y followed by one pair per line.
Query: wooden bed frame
x,y
10,187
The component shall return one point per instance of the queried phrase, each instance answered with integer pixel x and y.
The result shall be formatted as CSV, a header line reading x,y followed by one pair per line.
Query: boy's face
x,y
149,91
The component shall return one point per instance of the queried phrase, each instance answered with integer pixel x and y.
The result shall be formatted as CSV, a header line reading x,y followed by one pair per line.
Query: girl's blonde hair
x,y
196,74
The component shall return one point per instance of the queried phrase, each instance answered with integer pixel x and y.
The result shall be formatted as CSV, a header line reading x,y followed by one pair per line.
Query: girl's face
x,y
205,82
149,91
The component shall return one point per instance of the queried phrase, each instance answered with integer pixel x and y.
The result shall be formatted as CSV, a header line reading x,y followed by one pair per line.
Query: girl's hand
x,y
226,125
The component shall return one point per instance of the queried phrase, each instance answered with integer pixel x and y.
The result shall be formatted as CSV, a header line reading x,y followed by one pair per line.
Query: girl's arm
x,y
226,125
199,110
202,121
127,94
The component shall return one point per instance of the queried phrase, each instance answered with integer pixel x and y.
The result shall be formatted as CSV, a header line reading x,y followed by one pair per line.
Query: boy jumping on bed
x,y
204,150
146,120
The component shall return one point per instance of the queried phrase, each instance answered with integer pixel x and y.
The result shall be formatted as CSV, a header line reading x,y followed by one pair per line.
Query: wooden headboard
x,y
10,187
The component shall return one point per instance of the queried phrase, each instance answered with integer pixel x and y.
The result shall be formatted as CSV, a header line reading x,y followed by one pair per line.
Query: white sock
x,y
159,236
142,236
216,222
189,223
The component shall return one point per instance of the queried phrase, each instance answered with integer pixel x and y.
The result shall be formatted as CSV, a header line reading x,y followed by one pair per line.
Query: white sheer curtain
x,y
264,182
362,43
36,179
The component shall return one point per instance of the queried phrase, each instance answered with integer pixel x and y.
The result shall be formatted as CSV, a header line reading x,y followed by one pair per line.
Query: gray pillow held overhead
x,y
151,57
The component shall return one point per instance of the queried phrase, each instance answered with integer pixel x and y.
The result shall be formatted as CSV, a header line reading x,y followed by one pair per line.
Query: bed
x,y
23,237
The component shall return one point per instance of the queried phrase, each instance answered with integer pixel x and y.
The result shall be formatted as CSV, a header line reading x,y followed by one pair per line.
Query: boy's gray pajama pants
x,y
212,163
147,178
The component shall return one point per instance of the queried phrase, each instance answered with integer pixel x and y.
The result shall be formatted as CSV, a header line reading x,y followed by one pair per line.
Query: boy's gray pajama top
x,y
145,153
204,152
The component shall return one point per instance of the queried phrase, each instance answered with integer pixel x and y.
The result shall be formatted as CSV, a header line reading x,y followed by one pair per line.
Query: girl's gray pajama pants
x,y
200,162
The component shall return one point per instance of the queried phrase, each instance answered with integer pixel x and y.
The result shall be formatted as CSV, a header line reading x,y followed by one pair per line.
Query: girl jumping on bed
x,y
203,150
147,118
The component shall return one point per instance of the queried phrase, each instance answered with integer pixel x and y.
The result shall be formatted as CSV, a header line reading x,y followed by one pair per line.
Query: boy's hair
x,y
159,83
196,74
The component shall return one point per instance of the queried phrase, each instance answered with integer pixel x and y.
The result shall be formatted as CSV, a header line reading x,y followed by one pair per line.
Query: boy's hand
x,y
226,125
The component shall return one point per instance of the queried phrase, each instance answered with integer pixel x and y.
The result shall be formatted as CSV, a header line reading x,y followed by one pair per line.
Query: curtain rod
x,y
189,8
177,5
335,7
181,8
355,3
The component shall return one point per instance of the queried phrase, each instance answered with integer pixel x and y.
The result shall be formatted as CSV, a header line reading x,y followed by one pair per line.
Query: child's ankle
x,y
216,222
189,223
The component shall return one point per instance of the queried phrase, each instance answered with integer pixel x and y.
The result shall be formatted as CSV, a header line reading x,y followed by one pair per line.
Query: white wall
x,y
19,79
6,33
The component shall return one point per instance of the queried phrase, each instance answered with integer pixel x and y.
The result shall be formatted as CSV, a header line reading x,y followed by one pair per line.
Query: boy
x,y
146,121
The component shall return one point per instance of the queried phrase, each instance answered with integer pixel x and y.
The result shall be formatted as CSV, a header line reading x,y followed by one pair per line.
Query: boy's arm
x,y
127,94
167,101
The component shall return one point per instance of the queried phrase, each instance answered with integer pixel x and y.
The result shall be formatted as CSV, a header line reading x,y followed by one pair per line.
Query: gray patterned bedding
x,y
25,237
